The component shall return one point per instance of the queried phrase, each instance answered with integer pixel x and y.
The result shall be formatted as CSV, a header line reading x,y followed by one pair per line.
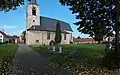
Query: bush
x,y
71,42
111,60
6,42
52,43
10,41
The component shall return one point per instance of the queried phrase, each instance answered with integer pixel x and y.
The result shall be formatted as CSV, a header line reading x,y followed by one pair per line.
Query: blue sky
x,y
13,22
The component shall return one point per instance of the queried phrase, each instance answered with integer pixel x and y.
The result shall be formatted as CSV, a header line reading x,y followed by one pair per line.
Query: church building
x,y
41,30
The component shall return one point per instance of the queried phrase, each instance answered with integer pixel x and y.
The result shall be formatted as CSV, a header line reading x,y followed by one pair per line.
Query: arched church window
x,y
65,36
33,11
48,35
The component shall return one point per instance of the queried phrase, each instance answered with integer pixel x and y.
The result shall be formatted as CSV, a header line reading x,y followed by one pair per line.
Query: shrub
x,y
52,43
71,42
6,42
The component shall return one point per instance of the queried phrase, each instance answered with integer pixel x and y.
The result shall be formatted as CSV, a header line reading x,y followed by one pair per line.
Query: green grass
x,y
85,57
86,50
7,50
78,63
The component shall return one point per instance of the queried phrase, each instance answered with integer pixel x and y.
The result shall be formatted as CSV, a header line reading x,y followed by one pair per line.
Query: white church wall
x,y
52,37
32,19
42,37
33,36
45,40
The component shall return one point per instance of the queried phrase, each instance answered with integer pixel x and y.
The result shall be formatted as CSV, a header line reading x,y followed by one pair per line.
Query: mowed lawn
x,y
89,50
85,50
7,50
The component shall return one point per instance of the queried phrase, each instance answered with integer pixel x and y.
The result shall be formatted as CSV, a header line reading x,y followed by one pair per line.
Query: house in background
x,y
21,40
16,39
84,40
3,37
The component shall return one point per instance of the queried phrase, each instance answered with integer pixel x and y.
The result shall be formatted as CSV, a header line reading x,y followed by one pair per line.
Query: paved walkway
x,y
32,63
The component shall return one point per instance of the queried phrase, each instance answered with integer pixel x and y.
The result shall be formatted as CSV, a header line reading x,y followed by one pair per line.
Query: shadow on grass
x,y
89,61
7,53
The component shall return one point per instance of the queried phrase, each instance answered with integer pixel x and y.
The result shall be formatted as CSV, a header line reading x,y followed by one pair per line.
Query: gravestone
x,y
60,50
108,47
74,53
53,48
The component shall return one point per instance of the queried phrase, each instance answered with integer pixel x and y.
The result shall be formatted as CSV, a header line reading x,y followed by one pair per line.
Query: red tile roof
x,y
4,34
83,39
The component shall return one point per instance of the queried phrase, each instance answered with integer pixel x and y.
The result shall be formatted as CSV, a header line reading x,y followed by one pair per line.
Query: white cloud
x,y
7,27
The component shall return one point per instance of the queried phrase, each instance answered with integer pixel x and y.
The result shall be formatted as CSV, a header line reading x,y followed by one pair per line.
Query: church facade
x,y
41,30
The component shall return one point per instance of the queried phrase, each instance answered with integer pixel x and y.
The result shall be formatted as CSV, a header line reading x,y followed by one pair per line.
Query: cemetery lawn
x,y
85,50
7,50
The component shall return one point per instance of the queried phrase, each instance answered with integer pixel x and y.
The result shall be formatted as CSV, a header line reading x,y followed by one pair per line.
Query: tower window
x,y
33,11
33,20
37,41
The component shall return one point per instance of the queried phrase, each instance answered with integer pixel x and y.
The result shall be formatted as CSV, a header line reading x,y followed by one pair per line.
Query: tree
x,y
23,36
78,37
117,26
58,33
6,5
96,17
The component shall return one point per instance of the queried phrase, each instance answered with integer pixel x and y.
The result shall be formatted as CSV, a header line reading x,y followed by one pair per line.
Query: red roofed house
x,y
17,39
3,37
84,40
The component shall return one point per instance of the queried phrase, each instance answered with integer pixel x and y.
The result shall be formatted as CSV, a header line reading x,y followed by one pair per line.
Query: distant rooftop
x,y
3,33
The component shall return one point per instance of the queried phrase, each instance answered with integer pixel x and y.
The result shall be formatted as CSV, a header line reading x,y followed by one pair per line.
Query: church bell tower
x,y
32,18
32,14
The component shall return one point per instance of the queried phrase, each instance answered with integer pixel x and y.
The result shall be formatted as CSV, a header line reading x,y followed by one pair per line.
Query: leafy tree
x,y
78,37
23,36
58,33
6,5
96,17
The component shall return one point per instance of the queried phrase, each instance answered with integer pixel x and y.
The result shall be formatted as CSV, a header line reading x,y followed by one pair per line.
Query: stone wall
x,y
32,36
52,37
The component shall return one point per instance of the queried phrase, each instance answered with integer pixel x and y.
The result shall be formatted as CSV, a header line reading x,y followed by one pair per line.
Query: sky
x,y
14,21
